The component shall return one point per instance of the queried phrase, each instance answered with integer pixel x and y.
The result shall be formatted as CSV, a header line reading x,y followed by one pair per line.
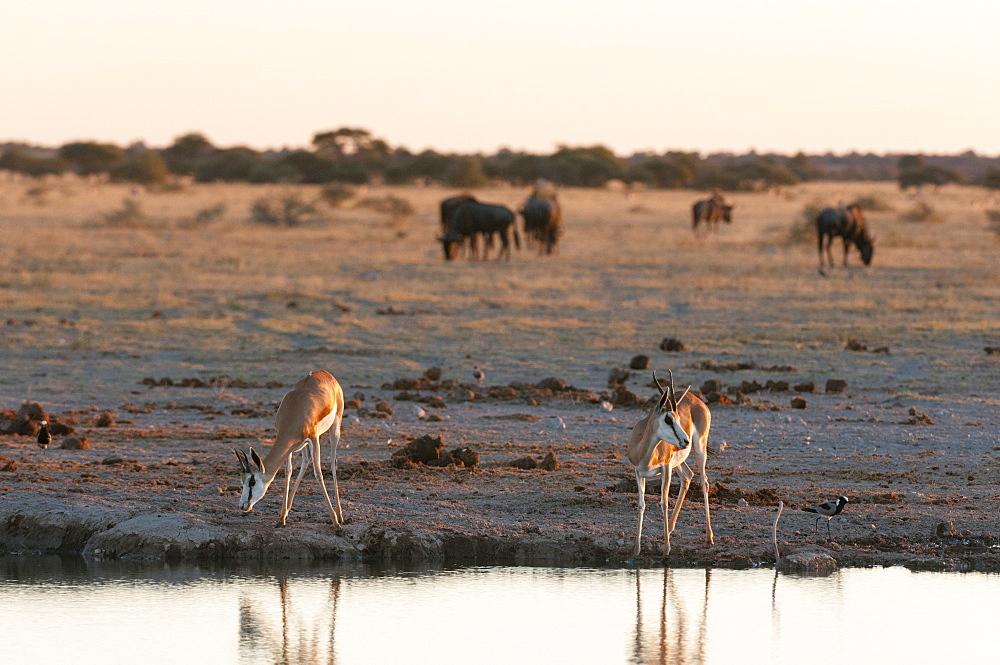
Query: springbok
x,y
314,406
662,441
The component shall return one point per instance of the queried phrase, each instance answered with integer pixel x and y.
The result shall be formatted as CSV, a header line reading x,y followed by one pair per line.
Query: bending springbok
x,y
314,406
662,441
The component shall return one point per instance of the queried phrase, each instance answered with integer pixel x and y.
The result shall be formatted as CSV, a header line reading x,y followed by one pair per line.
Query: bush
x,y
395,207
129,216
146,168
873,203
289,210
922,212
335,193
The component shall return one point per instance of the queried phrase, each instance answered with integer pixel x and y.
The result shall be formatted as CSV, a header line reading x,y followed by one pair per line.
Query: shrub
x,y
873,203
130,215
922,212
146,168
336,193
289,210
395,207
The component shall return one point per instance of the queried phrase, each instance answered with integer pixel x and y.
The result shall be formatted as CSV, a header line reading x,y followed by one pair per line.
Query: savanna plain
x,y
165,326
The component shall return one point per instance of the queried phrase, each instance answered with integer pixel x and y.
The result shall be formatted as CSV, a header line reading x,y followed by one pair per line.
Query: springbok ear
x,y
257,460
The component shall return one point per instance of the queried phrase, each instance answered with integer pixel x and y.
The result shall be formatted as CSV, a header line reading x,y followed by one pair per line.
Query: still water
x,y
70,611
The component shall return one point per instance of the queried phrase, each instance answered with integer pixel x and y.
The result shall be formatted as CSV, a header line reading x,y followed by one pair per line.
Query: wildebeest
x,y
448,208
848,223
542,222
472,218
711,211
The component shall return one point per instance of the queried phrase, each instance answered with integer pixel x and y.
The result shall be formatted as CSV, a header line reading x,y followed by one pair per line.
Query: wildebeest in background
x,y
711,211
473,218
448,208
542,222
848,223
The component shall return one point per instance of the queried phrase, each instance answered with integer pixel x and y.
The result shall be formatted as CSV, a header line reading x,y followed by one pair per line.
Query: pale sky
x,y
467,76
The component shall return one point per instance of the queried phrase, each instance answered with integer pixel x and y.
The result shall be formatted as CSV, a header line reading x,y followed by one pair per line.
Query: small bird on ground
x,y
479,375
829,510
44,436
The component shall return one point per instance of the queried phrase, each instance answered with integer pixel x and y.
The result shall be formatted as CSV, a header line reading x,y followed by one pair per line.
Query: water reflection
x,y
304,630
69,610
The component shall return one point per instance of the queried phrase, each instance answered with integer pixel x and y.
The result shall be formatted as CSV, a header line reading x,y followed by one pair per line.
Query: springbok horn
x,y
657,382
673,395
241,458
684,395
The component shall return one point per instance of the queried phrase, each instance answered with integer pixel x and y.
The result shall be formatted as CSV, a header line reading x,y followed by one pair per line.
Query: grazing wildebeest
x,y
542,222
472,218
711,211
448,208
848,223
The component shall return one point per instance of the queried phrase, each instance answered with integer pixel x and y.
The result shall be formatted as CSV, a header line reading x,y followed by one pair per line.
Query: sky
x,y
883,76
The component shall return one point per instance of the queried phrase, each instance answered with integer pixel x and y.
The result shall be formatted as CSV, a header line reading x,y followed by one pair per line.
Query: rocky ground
x,y
157,478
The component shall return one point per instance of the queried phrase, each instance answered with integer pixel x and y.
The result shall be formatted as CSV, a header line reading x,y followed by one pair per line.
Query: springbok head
x,y
254,479
669,427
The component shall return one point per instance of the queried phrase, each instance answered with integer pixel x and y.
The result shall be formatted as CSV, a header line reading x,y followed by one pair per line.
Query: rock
x,y
462,395
435,402
854,344
776,386
106,419
420,451
552,383
835,385
433,374
742,503
747,387
617,377
524,463
622,396
383,407
75,443
806,387
918,418
639,362
502,392
549,463
672,345
467,457
813,562
711,386
799,402
721,399
945,530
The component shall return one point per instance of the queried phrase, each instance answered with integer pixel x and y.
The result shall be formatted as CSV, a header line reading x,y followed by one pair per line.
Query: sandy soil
x,y
96,316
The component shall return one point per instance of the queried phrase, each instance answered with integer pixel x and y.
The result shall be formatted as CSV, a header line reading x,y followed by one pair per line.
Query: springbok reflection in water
x,y
678,636
296,626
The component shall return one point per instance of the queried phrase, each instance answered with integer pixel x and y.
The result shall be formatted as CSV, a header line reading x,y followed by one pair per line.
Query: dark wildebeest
x,y
711,211
448,208
472,218
542,222
848,223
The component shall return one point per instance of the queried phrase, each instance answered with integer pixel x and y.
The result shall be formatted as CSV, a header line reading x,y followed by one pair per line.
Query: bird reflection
x,y
674,639
307,615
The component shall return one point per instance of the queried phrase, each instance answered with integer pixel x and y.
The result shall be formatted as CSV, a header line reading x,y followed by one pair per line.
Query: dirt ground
x,y
166,343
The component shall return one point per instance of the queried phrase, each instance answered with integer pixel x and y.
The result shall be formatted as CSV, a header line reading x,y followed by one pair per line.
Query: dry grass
x,y
121,301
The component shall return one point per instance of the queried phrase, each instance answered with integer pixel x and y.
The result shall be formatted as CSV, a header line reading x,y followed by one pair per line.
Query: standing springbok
x,y
663,440
314,406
